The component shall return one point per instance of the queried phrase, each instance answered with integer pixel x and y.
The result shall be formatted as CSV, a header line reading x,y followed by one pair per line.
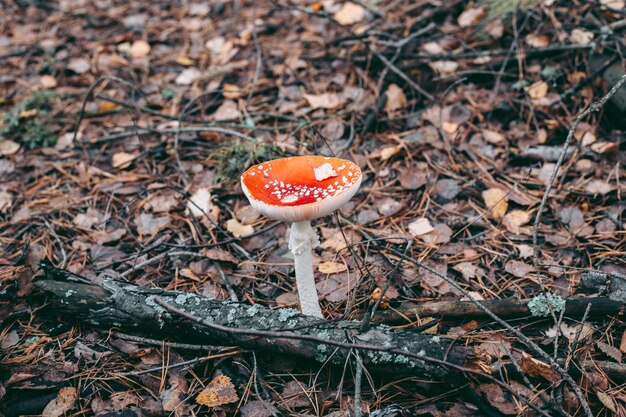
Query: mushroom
x,y
297,190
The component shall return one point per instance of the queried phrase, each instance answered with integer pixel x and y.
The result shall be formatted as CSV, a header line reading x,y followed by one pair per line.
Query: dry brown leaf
x,y
396,99
231,91
188,76
79,65
518,268
467,269
47,82
471,16
514,219
599,187
610,351
139,49
607,400
613,4
219,254
149,225
492,136
537,40
444,67
200,203
534,367
238,229
496,201
8,147
331,267
420,227
228,110
122,160
622,345
389,151
62,403
350,13
581,36
6,201
537,90
323,101
220,391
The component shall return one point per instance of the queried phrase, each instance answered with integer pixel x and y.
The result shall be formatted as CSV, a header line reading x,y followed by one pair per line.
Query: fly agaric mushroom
x,y
298,190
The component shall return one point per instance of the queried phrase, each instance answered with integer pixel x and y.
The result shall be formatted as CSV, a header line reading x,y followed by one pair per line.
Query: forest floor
x,y
124,129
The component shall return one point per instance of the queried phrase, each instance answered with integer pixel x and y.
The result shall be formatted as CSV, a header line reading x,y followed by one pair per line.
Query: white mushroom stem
x,y
302,240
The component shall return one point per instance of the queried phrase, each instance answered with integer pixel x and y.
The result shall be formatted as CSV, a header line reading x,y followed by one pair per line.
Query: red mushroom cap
x,y
300,187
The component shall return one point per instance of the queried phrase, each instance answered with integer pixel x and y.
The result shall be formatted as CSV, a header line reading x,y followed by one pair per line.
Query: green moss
x,y
28,121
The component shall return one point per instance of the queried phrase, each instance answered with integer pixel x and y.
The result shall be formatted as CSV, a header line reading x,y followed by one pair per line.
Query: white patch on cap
x,y
324,171
289,199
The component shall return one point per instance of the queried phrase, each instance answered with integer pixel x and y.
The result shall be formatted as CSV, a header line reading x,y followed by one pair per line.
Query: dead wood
x,y
574,307
136,309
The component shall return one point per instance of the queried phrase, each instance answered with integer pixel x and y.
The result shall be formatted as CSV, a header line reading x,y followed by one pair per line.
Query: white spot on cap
x,y
289,199
324,171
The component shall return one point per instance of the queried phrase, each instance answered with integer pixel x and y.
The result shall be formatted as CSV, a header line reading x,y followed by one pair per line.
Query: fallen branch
x,y
140,310
574,307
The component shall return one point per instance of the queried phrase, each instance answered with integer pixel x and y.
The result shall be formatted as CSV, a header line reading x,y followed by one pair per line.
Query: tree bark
x,y
135,309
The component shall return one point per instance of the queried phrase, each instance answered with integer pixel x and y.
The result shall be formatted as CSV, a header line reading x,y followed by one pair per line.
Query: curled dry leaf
x,y
496,201
220,391
581,36
518,268
537,90
534,367
537,40
420,227
514,219
122,160
471,16
350,13
323,101
200,203
238,229
62,403
331,267
396,99
8,147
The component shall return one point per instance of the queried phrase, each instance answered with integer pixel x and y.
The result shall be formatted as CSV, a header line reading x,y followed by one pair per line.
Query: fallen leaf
x,y
218,254
471,16
581,36
444,67
149,225
622,345
172,398
447,188
122,160
62,403
518,268
441,234
139,49
388,206
47,82
534,367
228,110
259,408
336,287
613,4
420,227
497,398
349,14
599,187
389,151
8,147
607,400
610,351
188,76
88,219
537,90
467,269
200,203
231,91
333,129
323,101
496,201
238,229
514,219
396,99
185,61
537,40
6,201
79,65
220,391
331,267
492,136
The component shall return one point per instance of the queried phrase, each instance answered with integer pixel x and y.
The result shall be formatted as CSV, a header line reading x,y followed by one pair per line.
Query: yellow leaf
x,y
395,99
317,6
28,114
390,151
497,201
106,106
331,267
231,91
220,391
